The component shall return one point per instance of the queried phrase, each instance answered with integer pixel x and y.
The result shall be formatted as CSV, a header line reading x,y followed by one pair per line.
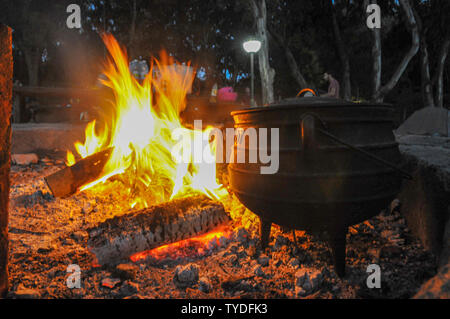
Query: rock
x,y
186,276
80,236
128,288
223,241
375,253
437,287
294,262
308,279
24,159
204,285
280,241
27,293
395,206
300,292
258,271
390,251
125,271
110,282
242,235
263,260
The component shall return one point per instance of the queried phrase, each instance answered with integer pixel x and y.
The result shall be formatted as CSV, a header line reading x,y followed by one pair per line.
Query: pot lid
x,y
312,100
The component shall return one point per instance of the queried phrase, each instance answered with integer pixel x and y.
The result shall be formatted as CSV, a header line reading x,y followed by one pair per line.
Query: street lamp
x,y
252,46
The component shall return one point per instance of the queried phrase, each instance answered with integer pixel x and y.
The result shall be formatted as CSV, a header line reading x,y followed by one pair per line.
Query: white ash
x,y
204,285
308,280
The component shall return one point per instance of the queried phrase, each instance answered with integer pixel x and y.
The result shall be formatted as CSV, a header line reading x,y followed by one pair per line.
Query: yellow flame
x,y
140,130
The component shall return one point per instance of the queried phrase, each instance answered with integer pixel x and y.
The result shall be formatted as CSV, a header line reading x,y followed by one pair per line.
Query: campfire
x,y
141,142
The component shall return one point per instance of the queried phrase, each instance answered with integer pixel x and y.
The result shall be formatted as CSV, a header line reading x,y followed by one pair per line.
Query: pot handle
x,y
308,136
308,128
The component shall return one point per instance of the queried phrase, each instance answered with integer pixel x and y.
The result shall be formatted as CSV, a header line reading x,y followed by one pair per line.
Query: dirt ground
x,y
49,234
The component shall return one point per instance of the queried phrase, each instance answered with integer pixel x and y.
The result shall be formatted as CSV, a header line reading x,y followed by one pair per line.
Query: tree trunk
x,y
32,60
439,73
131,44
343,56
382,91
376,65
426,84
293,66
267,73
6,73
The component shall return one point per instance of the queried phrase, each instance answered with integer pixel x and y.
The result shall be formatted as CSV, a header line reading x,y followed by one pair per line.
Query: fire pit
x,y
132,222
337,167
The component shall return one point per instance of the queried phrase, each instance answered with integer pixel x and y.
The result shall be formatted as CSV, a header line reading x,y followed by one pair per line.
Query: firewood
x,y
120,237
6,74
67,181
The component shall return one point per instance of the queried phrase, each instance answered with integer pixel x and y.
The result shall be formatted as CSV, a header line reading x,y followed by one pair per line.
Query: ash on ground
x,y
49,234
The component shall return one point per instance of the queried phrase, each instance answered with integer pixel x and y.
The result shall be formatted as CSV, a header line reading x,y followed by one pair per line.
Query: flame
x,y
194,246
139,128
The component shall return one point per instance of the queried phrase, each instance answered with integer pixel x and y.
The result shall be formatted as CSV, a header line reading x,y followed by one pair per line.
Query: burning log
x,y
6,72
122,236
67,181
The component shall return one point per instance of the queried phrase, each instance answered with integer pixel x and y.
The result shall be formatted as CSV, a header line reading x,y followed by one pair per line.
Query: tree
x,y
433,24
380,91
343,56
267,73
34,23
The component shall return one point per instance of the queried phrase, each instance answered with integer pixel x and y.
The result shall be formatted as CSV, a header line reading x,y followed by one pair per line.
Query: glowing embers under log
x,y
177,220
194,247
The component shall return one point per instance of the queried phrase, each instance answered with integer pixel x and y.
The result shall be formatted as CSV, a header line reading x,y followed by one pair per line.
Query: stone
x,y
294,262
33,137
80,236
263,260
258,271
128,288
204,285
27,293
24,159
308,279
242,235
437,287
280,241
186,276
110,282
126,271
425,198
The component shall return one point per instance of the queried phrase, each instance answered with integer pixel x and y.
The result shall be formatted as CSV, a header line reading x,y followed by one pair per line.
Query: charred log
x,y
120,237
68,180
6,73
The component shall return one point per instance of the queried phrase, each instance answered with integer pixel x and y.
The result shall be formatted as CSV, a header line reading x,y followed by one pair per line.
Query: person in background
x,y
333,87
226,94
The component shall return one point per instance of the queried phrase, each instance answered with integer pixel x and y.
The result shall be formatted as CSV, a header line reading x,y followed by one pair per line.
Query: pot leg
x,y
337,243
264,231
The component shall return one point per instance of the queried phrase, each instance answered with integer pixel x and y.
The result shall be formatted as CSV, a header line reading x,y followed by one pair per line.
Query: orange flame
x,y
194,246
144,116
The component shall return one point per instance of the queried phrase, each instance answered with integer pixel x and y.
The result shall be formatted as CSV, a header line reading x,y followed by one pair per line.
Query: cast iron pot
x,y
338,166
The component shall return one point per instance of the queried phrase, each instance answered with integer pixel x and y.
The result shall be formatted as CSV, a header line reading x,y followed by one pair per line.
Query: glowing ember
x,y
140,130
193,247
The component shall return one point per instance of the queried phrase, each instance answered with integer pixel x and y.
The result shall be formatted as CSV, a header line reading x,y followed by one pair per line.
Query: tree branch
x,y
295,71
412,25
